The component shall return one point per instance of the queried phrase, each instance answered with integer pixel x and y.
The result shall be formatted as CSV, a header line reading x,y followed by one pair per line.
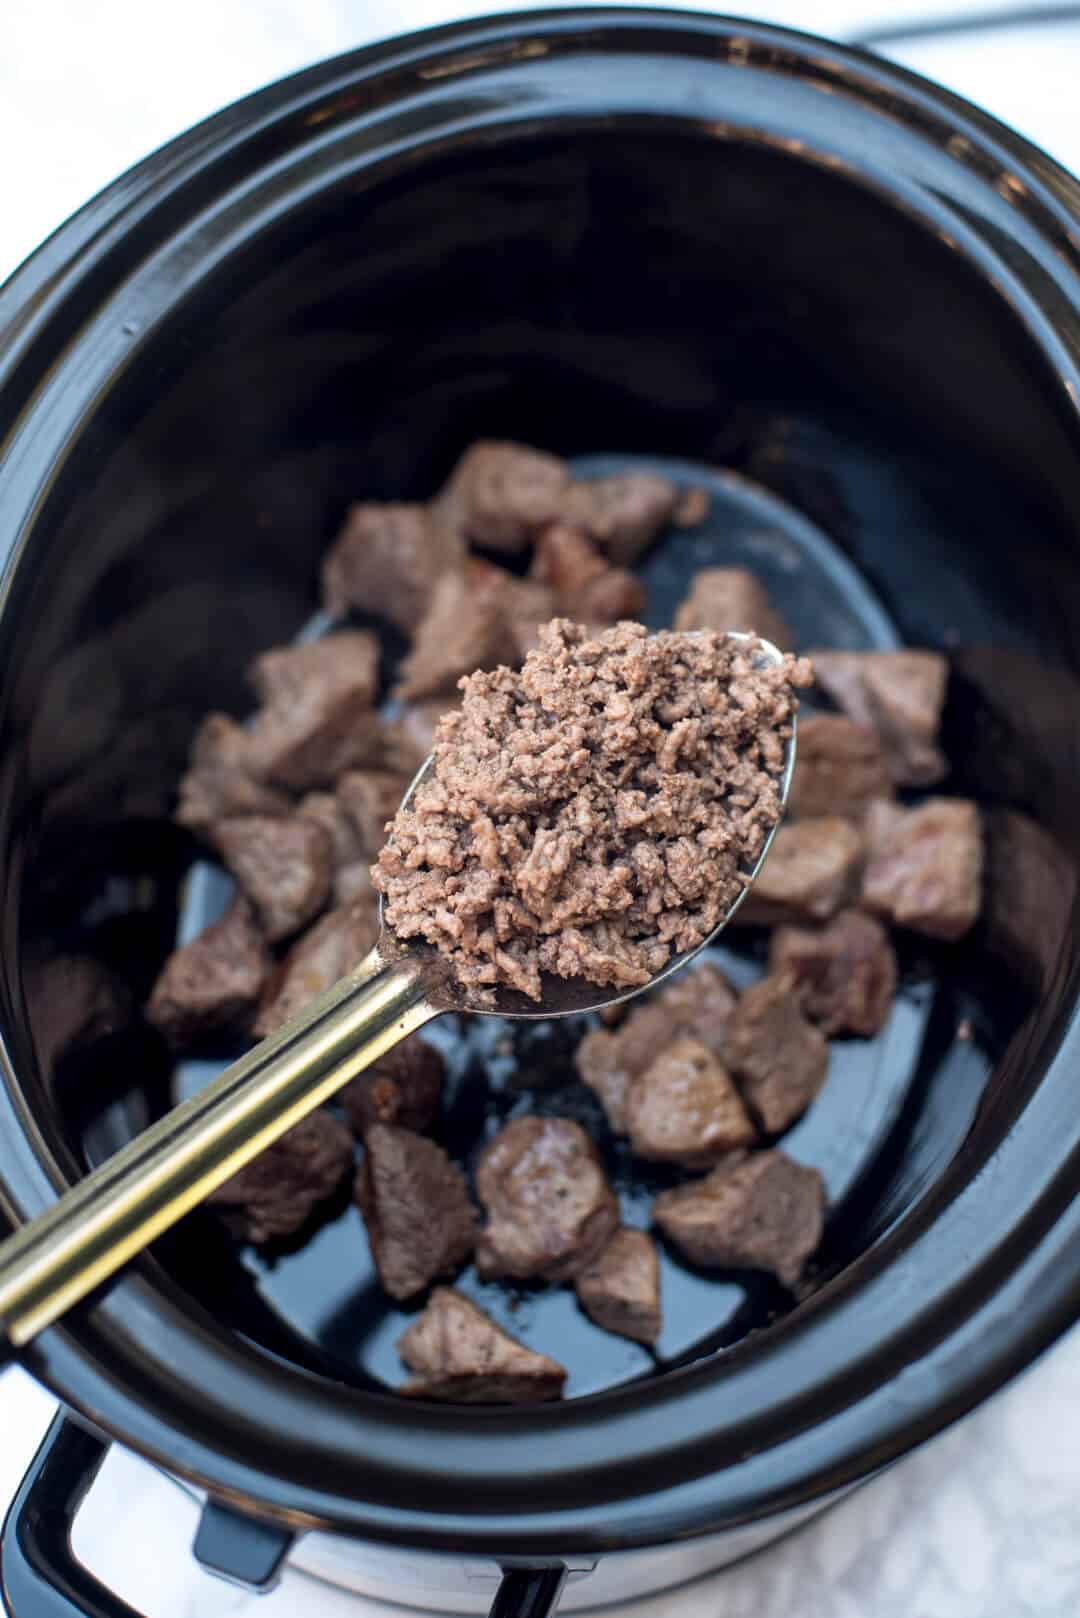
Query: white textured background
x,y
984,1522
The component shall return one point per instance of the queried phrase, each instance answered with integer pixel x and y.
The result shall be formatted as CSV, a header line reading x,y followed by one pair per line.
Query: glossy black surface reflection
x,y
642,234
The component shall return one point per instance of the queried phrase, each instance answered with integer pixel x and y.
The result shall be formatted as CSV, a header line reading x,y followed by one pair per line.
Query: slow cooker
x,y
641,232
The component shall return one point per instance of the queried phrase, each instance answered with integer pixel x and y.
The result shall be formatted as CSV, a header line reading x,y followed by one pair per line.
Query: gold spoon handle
x,y
148,1185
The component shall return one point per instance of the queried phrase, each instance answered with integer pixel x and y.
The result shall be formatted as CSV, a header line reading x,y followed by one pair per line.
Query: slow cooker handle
x,y
529,1592
40,1575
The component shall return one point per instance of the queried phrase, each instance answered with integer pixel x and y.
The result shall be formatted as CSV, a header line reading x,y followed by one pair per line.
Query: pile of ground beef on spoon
x,y
594,812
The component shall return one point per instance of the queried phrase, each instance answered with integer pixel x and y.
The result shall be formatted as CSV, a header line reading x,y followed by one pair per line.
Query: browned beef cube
x,y
925,866
277,1192
731,598
470,625
533,606
845,973
811,870
370,798
778,1059
840,768
72,1002
698,1001
213,984
352,883
326,809
500,494
620,1289
623,513
1029,890
411,736
219,782
685,1109
755,1211
317,717
283,865
899,694
550,1209
402,1087
587,588
388,559
420,1222
460,1356
336,943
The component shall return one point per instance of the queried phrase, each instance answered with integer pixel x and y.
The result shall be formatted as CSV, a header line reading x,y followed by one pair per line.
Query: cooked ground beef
x,y
925,866
593,814
755,1211
845,973
898,694
275,1194
420,1222
620,1289
778,1059
460,1356
550,1209
840,768
213,984
284,865
402,1087
685,1109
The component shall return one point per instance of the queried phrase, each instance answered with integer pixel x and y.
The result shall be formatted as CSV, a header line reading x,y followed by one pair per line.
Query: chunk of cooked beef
x,y
697,1001
549,1207
585,585
409,738
620,1289
276,1193
840,768
370,799
402,1087
459,1355
316,718
685,1109
925,866
901,695
810,872
327,810
844,973
352,883
777,1058
213,984
72,1002
284,866
414,1201
469,625
219,782
500,494
337,942
387,559
755,1211
725,598
532,606
622,513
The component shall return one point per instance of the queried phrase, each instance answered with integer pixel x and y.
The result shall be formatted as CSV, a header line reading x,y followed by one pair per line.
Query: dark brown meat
x,y
219,782
755,1211
778,1059
72,1002
460,1356
352,883
326,809
336,943
725,598
925,866
370,799
420,1222
810,872
845,973
409,738
899,694
403,1087
283,865
550,1209
840,768
620,1289
387,559
317,717
469,625
274,1195
213,984
623,513
698,1001
500,494
685,1109
585,585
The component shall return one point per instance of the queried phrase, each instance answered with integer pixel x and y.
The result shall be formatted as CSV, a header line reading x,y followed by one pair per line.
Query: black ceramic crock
x,y
592,230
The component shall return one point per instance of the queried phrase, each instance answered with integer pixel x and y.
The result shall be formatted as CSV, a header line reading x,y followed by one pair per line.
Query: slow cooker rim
x,y
73,1359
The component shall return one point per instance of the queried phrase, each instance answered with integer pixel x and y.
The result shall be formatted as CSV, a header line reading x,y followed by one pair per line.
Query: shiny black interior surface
x,y
660,286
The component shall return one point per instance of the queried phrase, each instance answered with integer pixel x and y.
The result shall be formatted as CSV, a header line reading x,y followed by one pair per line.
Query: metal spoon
x,y
122,1206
